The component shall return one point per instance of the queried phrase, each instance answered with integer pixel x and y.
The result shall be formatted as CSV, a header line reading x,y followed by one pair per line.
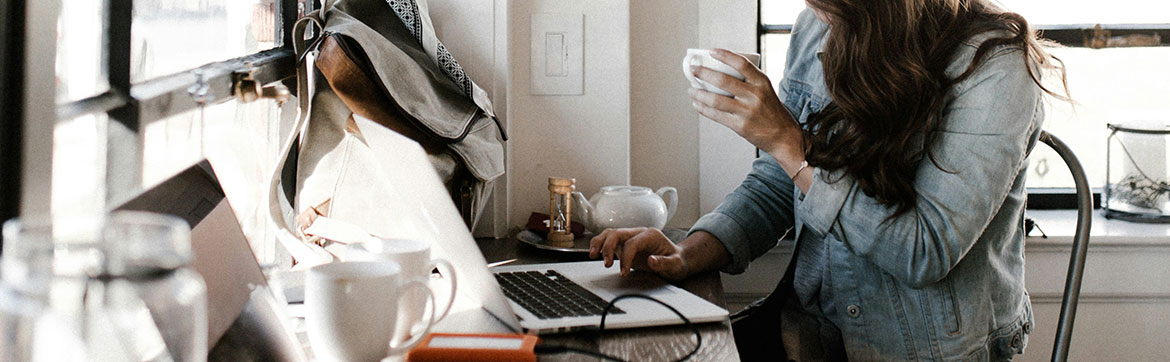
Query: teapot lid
x,y
625,190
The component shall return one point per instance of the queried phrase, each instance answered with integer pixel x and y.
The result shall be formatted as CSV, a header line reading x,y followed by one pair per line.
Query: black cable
x,y
554,349
601,328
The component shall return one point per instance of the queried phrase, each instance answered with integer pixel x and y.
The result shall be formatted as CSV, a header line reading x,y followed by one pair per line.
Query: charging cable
x,y
553,349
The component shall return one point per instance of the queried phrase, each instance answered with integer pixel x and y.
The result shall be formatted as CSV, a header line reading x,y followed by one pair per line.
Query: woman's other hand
x,y
641,249
754,112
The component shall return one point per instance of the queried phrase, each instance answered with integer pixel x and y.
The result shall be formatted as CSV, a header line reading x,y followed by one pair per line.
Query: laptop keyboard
x,y
550,295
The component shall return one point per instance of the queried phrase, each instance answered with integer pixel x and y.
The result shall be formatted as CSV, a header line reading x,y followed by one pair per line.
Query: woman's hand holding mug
x,y
748,105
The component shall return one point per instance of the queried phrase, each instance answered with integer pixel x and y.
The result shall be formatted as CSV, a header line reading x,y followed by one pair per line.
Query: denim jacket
x,y
943,282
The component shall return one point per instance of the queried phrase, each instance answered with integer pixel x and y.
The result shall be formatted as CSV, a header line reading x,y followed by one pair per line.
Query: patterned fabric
x,y
408,12
453,70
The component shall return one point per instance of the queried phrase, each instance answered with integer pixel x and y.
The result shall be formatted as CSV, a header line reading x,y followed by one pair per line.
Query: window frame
x,y
29,112
11,106
130,106
1069,35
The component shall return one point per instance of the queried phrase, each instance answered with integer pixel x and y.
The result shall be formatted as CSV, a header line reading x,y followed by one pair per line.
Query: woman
x,y
896,150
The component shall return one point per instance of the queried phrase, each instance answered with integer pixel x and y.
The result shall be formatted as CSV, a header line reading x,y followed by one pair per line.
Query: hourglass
x,y
560,213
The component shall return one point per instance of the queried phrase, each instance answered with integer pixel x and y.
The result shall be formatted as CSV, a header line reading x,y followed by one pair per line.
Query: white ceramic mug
x,y
703,57
414,256
352,308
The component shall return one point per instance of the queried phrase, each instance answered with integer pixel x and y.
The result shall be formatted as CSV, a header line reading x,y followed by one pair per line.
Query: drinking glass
x,y
122,285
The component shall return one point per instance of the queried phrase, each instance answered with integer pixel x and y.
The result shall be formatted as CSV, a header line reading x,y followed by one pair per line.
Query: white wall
x,y
39,109
475,32
725,158
671,144
585,136
663,125
633,124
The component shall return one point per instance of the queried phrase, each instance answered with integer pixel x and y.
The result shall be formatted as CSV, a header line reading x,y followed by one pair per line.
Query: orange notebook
x,y
451,347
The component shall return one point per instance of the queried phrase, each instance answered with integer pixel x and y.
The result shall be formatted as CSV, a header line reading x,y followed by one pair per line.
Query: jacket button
x,y
1017,342
853,310
1028,327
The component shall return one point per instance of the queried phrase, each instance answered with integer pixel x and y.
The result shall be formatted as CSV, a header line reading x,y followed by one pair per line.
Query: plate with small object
x,y
580,244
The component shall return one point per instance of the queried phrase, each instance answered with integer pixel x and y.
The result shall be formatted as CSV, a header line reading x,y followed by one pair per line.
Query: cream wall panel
x,y
585,136
664,131
724,157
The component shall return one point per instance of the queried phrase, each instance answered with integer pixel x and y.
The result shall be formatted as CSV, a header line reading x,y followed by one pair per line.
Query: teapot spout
x,y
583,208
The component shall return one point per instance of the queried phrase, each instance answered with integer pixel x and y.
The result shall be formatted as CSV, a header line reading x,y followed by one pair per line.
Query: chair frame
x,y
1076,264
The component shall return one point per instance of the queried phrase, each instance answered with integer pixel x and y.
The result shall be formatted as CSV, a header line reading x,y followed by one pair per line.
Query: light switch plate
x,y
558,44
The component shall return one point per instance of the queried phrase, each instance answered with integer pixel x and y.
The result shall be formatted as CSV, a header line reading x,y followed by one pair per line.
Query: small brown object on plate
x,y
561,240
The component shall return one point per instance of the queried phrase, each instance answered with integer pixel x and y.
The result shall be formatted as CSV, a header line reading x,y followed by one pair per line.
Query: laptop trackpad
x,y
635,283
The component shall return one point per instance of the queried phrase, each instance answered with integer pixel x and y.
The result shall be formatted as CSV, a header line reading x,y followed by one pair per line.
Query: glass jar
x,y
30,329
145,289
124,285
1137,184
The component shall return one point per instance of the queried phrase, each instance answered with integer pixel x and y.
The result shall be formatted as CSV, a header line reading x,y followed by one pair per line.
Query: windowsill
x,y
1060,226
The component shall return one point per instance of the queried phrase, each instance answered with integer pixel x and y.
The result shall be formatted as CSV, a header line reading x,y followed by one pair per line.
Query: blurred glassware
x,y
146,280
125,286
29,329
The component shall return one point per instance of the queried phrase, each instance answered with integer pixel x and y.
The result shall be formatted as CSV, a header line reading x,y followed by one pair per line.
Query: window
x,y
1109,85
144,90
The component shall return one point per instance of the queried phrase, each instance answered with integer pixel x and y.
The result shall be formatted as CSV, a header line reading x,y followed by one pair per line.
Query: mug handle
x,y
671,201
417,337
448,272
686,66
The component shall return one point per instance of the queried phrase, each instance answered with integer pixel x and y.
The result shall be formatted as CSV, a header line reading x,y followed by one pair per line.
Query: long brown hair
x,y
884,64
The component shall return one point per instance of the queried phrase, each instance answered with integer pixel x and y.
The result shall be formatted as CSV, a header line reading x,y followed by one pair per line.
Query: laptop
x,y
573,294
244,319
433,217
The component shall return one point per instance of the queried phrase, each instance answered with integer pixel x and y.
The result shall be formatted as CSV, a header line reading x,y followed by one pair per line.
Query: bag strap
x,y
281,209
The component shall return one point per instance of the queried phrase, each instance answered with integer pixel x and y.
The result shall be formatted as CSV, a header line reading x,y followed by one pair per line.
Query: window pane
x,y
78,188
773,50
81,66
1091,11
1118,85
170,36
240,140
171,145
242,147
780,11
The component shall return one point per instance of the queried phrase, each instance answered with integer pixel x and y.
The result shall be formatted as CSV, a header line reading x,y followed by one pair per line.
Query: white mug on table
x,y
703,57
352,308
415,258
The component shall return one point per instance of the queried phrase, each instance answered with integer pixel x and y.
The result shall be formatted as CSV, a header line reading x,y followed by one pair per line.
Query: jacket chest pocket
x,y
947,315
802,100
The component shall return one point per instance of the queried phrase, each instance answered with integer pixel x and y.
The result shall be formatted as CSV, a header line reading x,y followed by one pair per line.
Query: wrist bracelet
x,y
803,165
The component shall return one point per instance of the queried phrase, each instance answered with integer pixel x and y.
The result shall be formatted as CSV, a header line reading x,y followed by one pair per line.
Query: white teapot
x,y
620,206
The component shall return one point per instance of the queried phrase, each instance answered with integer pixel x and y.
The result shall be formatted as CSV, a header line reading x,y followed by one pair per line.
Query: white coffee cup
x,y
352,308
414,256
702,57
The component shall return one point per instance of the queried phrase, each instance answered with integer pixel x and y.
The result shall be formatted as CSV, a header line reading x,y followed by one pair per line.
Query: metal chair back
x,y
1076,263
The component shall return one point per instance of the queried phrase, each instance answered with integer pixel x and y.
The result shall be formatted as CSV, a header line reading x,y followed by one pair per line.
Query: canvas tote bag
x,y
365,75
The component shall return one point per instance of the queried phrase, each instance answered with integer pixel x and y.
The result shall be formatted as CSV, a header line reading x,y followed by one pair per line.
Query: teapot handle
x,y
671,201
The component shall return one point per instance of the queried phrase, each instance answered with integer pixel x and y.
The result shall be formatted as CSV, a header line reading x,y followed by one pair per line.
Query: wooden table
x,y
642,344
